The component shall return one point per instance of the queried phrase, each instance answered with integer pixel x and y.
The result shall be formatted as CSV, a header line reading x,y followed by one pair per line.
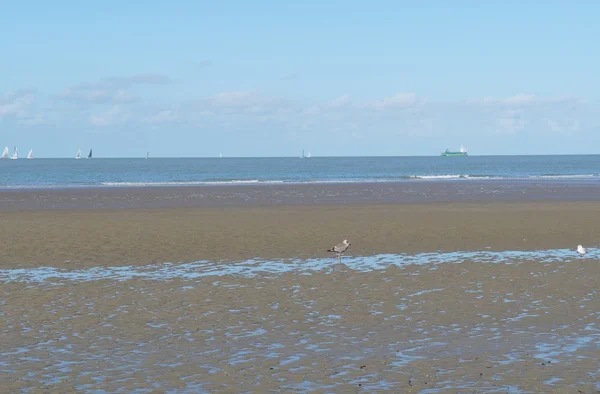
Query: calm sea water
x,y
214,171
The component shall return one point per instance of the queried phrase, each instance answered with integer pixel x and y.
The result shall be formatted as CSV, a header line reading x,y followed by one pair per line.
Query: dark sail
x,y
90,154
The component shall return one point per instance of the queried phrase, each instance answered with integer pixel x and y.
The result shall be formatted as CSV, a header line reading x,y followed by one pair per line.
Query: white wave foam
x,y
252,181
400,178
451,176
572,176
188,183
438,176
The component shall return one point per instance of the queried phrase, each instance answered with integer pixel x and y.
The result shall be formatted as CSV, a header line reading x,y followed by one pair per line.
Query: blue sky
x,y
269,78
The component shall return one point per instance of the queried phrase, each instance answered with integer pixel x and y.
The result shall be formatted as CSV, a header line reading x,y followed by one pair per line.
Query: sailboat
x,y
147,155
30,155
90,154
307,156
15,154
220,155
5,153
78,154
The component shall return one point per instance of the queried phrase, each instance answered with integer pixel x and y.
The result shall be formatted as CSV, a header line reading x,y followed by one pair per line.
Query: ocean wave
x,y
454,176
189,183
248,182
505,177
350,180
565,176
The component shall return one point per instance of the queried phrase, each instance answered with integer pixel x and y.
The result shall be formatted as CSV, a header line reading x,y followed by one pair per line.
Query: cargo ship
x,y
461,152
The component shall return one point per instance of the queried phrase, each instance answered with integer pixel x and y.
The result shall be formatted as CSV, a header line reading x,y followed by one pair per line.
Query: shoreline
x,y
290,194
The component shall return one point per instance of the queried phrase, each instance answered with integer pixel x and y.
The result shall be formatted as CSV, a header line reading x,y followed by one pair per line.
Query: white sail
x,y
15,154
462,149
30,154
5,153
78,154
308,155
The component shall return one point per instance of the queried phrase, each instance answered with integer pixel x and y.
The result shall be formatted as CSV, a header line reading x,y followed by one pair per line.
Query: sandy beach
x,y
503,323
86,238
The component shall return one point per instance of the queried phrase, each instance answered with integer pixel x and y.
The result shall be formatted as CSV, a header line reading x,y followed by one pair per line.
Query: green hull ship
x,y
462,152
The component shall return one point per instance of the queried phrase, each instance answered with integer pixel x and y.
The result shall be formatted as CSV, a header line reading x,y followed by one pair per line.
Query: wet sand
x,y
269,195
86,238
470,327
523,325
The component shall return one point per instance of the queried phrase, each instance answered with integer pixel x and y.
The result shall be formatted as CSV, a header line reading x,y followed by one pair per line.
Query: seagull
x,y
581,250
340,248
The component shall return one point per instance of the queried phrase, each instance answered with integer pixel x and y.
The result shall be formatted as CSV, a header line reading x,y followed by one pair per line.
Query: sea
x,y
119,172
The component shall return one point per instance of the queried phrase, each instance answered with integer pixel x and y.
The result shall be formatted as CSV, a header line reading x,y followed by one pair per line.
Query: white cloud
x,y
399,100
33,120
509,124
524,99
110,102
112,116
233,99
401,114
563,127
139,79
110,90
16,103
520,99
336,104
97,96
240,102
339,102
169,115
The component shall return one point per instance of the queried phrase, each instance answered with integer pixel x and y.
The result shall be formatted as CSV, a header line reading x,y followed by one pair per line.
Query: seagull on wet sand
x,y
581,250
340,248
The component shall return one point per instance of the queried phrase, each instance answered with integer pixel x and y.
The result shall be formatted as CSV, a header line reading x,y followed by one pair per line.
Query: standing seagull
x,y
340,248
581,250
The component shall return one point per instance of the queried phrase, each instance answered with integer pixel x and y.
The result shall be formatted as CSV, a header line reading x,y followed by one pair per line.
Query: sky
x,y
270,78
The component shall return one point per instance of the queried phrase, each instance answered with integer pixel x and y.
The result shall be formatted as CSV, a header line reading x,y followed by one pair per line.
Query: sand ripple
x,y
516,322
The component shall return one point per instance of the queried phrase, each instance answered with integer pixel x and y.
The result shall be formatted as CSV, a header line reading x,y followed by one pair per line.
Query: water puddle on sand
x,y
128,329
346,363
253,268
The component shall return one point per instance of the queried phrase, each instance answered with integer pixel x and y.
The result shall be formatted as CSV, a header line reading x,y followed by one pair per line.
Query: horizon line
x,y
295,157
